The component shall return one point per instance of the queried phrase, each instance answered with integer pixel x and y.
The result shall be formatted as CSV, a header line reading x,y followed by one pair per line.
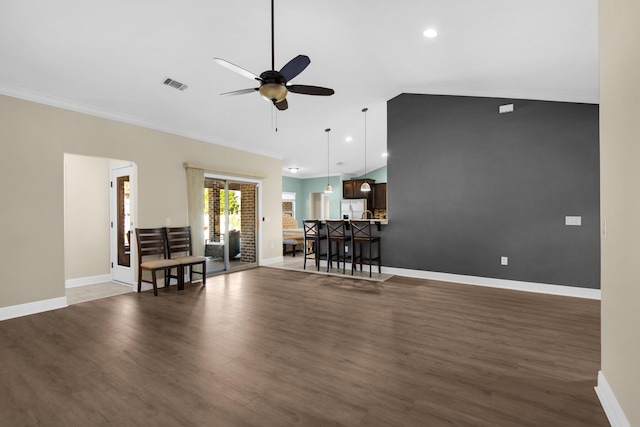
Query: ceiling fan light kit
x,y
273,84
273,92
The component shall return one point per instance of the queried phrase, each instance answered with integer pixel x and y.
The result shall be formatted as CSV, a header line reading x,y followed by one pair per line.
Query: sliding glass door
x,y
230,232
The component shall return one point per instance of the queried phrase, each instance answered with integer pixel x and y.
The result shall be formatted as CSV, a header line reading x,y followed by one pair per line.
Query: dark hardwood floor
x,y
271,347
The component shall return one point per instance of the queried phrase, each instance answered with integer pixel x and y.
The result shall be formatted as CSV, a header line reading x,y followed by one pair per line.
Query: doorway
x,y
90,243
230,217
319,206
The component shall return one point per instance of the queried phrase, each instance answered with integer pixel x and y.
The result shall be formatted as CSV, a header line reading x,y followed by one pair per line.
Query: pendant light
x,y
328,189
365,187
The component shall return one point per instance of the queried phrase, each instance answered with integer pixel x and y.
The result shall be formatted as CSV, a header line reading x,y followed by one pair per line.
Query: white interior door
x,y
123,258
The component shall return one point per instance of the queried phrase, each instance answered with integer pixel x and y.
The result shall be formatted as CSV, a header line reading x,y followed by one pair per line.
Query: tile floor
x,y
86,293
297,263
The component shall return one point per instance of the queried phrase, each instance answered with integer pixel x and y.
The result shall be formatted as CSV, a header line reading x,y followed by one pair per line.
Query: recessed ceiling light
x,y
294,170
430,32
348,139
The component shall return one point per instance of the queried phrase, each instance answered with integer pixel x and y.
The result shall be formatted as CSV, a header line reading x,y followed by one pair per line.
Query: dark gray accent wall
x,y
467,185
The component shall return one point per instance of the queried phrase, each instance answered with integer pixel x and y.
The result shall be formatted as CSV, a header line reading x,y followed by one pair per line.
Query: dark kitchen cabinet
x,y
379,196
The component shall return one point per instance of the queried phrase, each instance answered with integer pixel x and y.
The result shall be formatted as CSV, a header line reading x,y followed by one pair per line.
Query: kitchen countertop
x,y
300,231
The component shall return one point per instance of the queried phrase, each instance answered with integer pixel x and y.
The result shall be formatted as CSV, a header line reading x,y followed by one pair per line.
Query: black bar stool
x,y
336,233
312,240
361,234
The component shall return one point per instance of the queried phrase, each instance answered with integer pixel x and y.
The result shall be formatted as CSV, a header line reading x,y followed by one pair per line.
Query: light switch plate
x,y
507,108
572,220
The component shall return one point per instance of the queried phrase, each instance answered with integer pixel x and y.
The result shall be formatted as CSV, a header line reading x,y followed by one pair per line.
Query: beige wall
x,y
86,216
33,140
620,199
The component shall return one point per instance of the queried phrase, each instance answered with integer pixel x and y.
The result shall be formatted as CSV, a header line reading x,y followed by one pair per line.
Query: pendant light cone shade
x,y
365,187
328,189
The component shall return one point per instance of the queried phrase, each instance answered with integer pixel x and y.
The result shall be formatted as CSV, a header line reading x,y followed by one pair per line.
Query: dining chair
x,y
151,243
180,248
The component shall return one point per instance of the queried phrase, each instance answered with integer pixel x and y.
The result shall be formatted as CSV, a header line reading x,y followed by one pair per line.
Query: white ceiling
x,y
109,58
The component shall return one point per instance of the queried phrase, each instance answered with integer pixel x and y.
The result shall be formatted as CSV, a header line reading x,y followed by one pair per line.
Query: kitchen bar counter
x,y
377,222
300,231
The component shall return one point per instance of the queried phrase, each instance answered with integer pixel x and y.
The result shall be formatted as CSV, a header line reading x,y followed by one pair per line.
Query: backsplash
x,y
380,213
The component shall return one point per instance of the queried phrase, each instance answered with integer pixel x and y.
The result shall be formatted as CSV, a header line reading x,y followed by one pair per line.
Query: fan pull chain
x,y
274,118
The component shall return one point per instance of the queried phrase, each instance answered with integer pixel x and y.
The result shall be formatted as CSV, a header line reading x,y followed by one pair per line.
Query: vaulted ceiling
x,y
110,59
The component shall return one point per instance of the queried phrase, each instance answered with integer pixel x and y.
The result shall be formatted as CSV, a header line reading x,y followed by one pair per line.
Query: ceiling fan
x,y
273,84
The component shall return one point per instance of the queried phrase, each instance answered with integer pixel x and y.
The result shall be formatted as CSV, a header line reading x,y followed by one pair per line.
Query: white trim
x,y
610,404
122,273
259,234
84,281
66,104
543,288
258,184
271,261
26,309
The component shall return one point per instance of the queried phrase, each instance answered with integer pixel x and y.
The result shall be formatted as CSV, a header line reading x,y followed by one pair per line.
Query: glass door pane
x,y
123,221
214,229
230,234
242,225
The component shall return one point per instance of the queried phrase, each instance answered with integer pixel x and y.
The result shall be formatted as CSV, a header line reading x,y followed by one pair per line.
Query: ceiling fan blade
x,y
295,66
236,69
282,105
310,90
239,92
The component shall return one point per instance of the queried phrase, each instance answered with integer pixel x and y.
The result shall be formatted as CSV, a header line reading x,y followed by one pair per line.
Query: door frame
x,y
119,273
258,183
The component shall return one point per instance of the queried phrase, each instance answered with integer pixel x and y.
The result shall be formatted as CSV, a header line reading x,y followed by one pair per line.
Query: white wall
x,y
619,34
33,140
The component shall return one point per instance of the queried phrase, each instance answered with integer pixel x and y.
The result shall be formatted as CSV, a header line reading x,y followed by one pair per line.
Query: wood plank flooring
x,y
271,347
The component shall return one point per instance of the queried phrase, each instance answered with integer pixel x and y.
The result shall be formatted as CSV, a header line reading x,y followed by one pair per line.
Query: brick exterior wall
x,y
214,187
248,222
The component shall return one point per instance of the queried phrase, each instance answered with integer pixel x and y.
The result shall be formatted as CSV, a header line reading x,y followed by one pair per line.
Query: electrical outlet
x,y
167,221
346,248
504,260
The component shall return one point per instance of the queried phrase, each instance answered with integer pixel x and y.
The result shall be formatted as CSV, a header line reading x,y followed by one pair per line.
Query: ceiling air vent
x,y
175,84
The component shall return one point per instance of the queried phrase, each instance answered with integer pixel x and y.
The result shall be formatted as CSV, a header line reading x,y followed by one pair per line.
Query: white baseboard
x,y
84,281
610,404
570,291
20,310
270,261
